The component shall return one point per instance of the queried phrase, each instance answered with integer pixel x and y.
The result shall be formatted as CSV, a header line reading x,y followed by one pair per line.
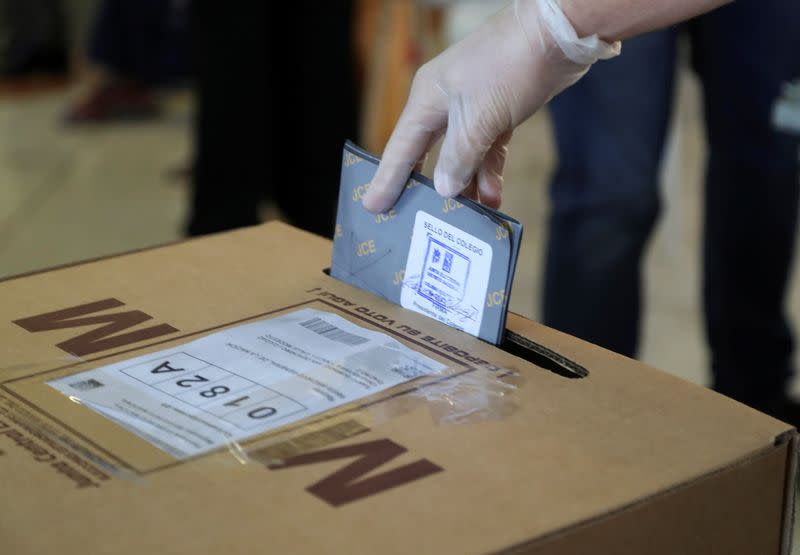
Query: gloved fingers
x,y
471,131
421,163
404,150
490,174
478,90
471,192
424,115
435,136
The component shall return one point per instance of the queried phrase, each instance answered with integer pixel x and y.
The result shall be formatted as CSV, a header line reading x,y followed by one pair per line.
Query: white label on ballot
x,y
447,274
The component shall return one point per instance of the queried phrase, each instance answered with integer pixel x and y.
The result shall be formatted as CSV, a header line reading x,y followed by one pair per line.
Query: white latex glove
x,y
476,92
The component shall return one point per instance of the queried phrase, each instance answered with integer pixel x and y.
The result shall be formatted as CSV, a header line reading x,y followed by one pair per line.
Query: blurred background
x,y
132,123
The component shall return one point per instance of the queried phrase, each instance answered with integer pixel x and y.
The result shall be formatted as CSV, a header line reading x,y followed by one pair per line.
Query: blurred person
x,y
272,115
135,46
478,90
32,38
610,129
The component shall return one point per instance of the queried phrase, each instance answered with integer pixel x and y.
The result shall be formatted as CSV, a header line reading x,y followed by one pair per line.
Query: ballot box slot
x,y
526,349
543,357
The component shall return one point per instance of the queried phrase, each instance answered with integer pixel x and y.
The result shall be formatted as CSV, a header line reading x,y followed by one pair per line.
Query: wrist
x,y
546,23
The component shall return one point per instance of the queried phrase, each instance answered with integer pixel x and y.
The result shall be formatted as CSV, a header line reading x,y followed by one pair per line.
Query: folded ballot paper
x,y
450,259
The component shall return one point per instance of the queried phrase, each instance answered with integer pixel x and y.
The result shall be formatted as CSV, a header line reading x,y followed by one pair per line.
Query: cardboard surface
x,y
625,459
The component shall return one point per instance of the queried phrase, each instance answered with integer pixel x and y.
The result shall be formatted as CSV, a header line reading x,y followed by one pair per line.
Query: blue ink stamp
x,y
448,271
443,282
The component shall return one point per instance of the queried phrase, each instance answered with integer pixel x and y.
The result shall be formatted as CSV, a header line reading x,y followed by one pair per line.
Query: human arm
x,y
478,90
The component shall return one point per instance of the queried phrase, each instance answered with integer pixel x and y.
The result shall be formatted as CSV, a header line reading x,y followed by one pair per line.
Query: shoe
x,y
115,101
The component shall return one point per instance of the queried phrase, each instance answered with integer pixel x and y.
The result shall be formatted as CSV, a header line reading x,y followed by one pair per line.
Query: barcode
x,y
332,332
86,385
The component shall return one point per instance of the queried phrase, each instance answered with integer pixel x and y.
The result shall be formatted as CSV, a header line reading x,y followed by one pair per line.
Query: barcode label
x,y
332,332
86,385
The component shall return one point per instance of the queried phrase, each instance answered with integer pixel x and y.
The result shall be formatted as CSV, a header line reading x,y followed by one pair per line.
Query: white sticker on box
x,y
447,274
246,380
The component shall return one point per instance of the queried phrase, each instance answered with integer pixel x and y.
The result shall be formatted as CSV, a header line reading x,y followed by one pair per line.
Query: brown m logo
x,y
349,484
102,338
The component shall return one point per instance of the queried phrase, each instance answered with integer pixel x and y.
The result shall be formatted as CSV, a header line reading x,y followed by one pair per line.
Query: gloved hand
x,y
476,92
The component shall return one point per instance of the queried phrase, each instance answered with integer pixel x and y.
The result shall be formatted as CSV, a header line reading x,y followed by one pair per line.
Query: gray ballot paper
x,y
450,259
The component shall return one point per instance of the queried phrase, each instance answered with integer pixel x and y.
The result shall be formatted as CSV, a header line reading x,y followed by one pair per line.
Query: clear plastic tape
x,y
369,382
459,397
453,396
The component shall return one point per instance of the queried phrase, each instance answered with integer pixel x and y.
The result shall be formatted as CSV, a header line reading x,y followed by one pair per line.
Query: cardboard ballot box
x,y
144,408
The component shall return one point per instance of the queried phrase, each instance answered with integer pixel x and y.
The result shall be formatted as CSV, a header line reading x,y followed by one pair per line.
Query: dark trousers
x,y
272,116
145,40
610,130
32,37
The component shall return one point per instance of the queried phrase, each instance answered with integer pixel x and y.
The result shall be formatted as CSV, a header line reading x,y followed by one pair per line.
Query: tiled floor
x,y
70,194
